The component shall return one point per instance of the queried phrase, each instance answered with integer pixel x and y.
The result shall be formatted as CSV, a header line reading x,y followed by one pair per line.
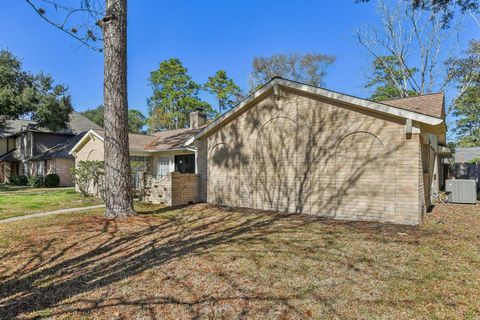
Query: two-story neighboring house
x,y
27,149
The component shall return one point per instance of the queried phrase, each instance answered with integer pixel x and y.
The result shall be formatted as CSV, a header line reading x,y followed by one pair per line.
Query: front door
x,y
185,163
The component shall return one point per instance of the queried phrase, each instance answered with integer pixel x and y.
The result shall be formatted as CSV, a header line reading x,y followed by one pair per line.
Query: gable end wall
x,y
308,155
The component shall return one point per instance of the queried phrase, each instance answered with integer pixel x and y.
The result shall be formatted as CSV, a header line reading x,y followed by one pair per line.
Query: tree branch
x,y
61,26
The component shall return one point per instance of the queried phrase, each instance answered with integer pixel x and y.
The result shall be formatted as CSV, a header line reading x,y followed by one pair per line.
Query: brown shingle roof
x,y
136,141
159,141
429,104
171,139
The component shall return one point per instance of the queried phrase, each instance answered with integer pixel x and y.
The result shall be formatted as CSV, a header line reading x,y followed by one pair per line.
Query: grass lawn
x,y
19,201
205,262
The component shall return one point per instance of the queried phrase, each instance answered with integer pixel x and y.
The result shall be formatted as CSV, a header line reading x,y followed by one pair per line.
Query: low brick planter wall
x,y
173,190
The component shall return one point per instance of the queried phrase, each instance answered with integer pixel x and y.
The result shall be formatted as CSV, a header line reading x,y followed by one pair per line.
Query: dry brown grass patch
x,y
208,262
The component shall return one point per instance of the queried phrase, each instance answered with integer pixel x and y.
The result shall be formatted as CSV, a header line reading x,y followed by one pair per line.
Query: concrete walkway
x,y
49,213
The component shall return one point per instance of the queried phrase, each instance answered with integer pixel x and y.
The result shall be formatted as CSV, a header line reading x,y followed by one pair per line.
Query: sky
x,y
205,35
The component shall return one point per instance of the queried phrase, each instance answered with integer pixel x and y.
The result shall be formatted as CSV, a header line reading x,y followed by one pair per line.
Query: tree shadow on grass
x,y
49,277
117,251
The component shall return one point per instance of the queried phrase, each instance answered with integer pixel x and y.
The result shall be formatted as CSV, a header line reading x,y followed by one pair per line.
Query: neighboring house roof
x,y
429,104
405,112
466,154
12,155
60,151
15,126
78,123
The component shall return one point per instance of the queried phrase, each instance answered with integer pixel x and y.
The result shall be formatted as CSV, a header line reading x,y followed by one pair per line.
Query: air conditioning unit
x,y
461,191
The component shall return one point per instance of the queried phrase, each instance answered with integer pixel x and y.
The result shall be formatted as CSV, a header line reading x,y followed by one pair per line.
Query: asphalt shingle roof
x,y
12,155
15,126
172,139
158,141
136,141
429,104
78,124
61,150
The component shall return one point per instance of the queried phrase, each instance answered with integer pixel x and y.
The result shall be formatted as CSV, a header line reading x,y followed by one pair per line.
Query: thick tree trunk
x,y
118,187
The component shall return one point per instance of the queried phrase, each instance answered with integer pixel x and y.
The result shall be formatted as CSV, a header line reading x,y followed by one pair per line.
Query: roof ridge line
x,y
326,93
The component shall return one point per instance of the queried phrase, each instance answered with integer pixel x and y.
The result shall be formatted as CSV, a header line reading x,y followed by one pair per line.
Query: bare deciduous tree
x,y
417,40
446,8
413,39
93,22
310,68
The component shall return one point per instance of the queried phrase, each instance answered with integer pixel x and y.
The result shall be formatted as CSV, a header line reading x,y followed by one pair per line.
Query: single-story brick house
x,y
158,154
161,153
296,148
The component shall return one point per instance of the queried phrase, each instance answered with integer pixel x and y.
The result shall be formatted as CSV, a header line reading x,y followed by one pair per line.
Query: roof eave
x,y
327,94
232,112
85,139
183,148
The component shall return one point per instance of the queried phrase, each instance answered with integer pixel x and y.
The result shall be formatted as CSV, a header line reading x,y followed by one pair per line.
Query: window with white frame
x,y
139,163
163,167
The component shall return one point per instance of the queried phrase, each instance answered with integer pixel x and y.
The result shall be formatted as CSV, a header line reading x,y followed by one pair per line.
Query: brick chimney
x,y
197,119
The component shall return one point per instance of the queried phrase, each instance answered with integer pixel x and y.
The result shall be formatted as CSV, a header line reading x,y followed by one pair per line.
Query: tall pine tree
x,y
174,96
225,90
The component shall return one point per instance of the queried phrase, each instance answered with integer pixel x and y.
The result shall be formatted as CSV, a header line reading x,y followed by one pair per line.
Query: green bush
x,y
35,182
89,176
52,180
19,180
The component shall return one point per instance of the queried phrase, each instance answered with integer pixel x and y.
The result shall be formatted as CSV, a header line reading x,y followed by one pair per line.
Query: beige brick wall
x,y
185,188
173,190
159,191
92,150
308,155
202,153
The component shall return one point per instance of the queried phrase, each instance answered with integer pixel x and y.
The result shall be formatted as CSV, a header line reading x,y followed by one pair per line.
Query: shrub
x,y
35,182
52,180
88,177
19,180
